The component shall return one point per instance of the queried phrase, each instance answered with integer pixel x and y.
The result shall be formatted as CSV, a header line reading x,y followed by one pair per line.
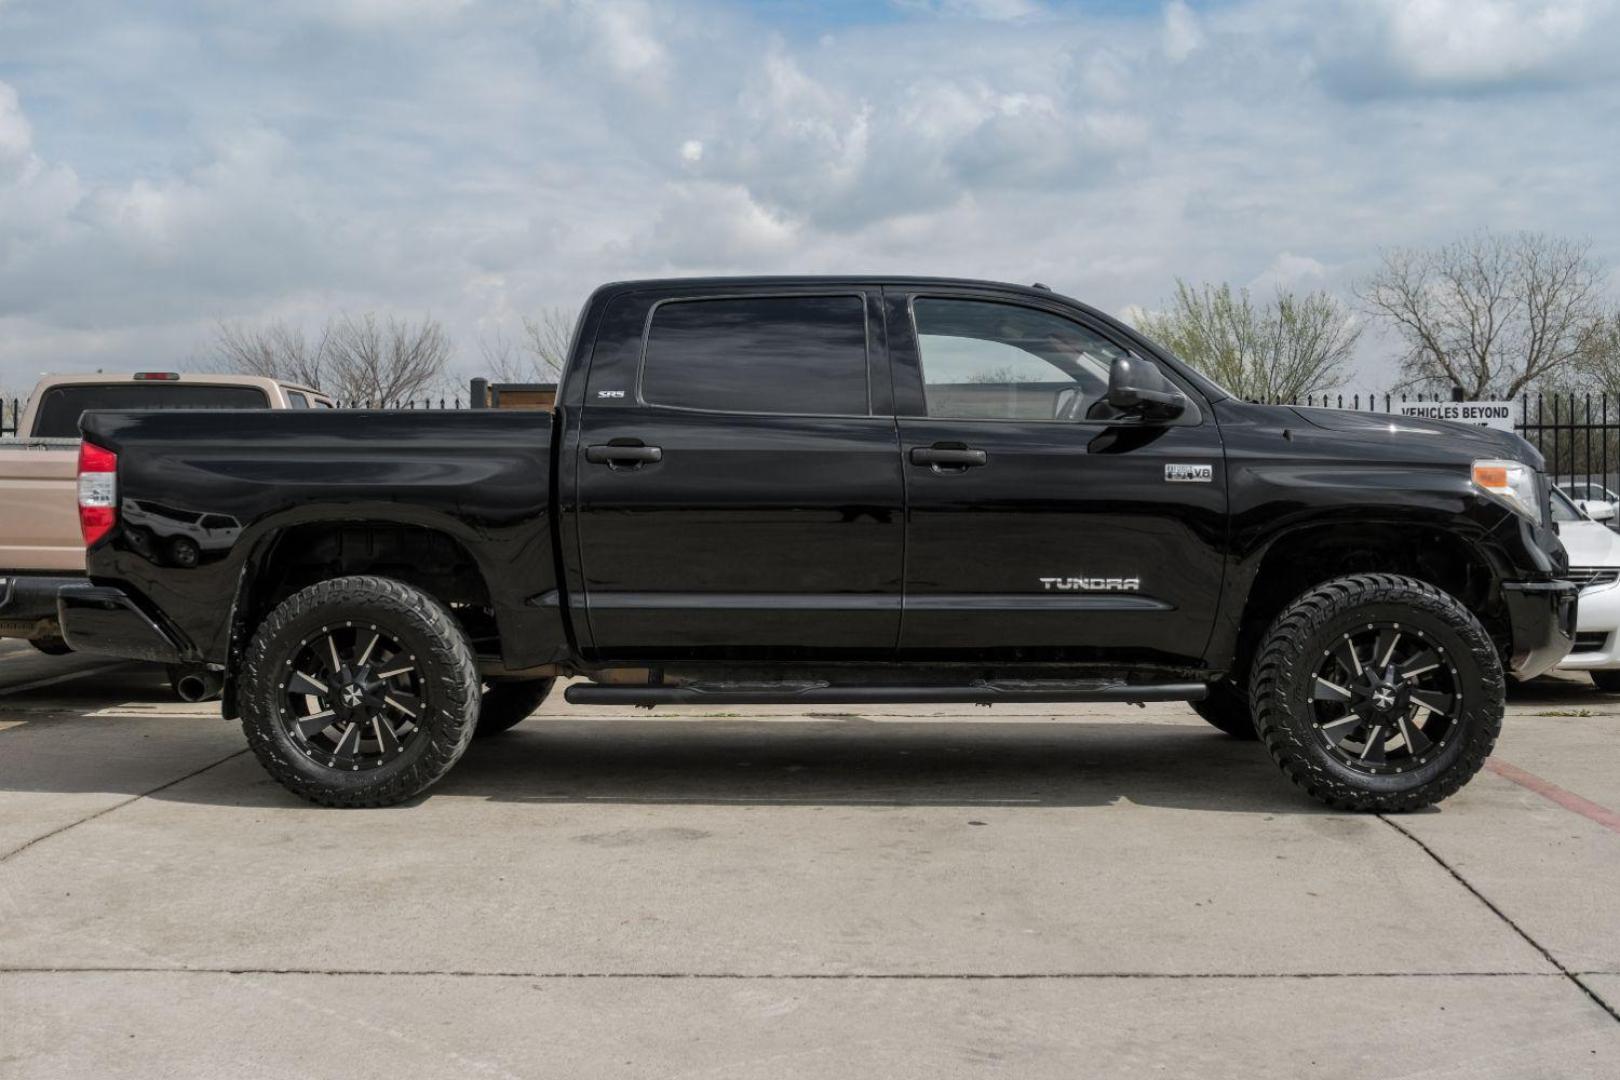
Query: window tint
x,y
295,400
61,407
798,354
988,361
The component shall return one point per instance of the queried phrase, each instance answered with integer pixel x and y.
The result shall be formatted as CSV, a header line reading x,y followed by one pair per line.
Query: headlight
x,y
1513,482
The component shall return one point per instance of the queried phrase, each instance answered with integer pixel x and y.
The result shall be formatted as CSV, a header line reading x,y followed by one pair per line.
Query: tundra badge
x,y
1092,584
1189,474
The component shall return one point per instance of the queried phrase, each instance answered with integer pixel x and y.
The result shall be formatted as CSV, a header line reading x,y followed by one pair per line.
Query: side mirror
x,y
1598,510
1138,386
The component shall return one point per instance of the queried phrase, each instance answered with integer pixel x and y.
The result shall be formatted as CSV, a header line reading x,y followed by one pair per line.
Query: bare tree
x,y
276,351
384,360
1597,367
353,358
547,339
1283,350
1488,314
540,356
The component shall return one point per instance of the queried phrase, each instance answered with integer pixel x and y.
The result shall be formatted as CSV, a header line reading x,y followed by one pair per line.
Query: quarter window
x,y
788,354
988,361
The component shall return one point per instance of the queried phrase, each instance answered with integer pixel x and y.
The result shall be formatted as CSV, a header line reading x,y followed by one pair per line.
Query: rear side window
x,y
763,354
61,406
295,400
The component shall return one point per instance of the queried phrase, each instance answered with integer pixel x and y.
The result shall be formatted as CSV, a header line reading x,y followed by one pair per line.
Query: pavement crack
x,y
1502,915
769,976
14,852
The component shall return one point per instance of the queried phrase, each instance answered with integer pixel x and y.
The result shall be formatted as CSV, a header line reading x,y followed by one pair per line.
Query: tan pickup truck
x,y
41,548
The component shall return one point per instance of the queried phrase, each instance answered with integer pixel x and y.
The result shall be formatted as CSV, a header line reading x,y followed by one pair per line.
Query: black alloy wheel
x,y
1378,692
1385,697
353,697
359,691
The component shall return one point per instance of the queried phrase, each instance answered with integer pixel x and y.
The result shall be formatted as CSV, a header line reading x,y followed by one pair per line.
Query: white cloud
x,y
1471,45
1182,32
374,12
1290,271
16,134
993,10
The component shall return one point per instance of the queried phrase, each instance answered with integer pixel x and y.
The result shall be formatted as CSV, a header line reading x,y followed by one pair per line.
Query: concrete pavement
x,y
900,891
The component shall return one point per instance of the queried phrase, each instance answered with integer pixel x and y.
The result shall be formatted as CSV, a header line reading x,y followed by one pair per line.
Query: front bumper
x,y
100,619
1597,631
1542,617
28,604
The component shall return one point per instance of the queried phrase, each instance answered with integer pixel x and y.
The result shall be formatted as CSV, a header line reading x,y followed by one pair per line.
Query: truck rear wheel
x,y
359,691
1227,708
508,702
1378,692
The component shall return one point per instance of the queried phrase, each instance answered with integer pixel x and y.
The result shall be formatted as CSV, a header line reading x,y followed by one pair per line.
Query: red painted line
x,y
1550,791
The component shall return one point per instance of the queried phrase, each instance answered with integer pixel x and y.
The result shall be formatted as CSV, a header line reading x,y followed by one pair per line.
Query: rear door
x,y
738,481
1043,526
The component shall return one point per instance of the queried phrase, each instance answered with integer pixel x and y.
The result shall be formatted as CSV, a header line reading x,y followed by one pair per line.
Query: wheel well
x,y
1307,558
433,561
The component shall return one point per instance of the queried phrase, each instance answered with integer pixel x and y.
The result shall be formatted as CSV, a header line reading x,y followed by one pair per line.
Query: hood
x,y
1482,442
1590,543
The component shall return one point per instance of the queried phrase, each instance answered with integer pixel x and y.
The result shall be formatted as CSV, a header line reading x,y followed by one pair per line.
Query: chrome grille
x,y
1590,577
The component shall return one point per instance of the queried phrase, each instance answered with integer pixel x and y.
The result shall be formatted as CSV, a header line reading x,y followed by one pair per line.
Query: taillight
x,y
98,491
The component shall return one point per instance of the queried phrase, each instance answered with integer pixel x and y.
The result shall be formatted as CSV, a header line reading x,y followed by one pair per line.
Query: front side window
x,y
764,354
983,360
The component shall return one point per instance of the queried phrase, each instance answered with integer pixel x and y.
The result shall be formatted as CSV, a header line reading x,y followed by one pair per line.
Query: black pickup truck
x,y
834,490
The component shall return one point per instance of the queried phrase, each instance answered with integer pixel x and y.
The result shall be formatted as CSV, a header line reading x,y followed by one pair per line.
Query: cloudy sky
x,y
167,165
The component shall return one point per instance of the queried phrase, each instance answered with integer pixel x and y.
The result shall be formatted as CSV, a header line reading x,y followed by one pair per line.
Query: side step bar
x,y
979,693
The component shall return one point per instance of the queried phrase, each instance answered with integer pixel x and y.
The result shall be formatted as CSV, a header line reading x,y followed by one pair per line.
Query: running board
x,y
979,693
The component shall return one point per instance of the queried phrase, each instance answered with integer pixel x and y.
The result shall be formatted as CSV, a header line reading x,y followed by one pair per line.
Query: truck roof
x,y
814,280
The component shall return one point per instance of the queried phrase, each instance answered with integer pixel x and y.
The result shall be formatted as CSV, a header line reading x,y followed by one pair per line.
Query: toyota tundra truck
x,y
40,546
820,491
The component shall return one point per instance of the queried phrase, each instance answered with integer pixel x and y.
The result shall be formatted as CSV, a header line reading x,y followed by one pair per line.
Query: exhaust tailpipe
x,y
197,684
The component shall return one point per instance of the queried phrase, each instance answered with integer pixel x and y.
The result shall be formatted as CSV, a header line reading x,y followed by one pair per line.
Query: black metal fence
x,y
1578,434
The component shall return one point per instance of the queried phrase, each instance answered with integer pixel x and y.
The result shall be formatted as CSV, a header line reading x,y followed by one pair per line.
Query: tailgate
x,y
39,511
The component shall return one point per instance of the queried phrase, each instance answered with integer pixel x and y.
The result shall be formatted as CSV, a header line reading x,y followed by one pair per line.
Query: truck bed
x,y
209,497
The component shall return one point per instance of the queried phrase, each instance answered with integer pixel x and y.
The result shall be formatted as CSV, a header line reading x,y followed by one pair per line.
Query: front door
x,y
1041,524
739,499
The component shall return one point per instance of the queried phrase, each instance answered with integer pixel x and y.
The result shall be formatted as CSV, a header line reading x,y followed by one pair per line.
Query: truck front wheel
x,y
359,691
508,702
1378,692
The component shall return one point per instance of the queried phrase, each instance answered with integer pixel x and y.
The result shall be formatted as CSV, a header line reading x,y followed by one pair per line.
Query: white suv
x,y
1594,563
